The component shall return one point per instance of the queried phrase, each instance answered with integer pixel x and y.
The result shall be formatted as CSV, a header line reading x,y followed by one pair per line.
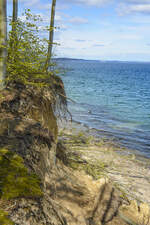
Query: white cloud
x,y
44,6
93,2
30,3
140,8
138,1
118,45
87,2
47,6
78,20
134,6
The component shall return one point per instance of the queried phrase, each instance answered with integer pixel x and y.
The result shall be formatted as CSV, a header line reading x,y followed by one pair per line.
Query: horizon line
x,y
102,60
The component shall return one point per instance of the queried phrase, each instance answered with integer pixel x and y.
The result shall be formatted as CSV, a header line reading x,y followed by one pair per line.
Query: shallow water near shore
x,y
112,98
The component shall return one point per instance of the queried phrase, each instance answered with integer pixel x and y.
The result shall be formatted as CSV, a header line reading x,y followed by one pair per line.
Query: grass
x,y
81,138
94,169
76,139
123,194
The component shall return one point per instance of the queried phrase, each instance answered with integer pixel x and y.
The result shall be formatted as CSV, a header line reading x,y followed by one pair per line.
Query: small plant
x,y
81,138
95,169
100,143
123,194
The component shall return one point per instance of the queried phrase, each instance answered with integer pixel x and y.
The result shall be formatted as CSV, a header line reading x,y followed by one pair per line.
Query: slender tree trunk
x,y
3,38
51,35
15,14
13,42
15,11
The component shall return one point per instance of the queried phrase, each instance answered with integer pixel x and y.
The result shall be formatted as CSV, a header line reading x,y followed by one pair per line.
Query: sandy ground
x,y
129,172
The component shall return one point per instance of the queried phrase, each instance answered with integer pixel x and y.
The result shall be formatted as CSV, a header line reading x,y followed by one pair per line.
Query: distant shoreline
x,y
99,60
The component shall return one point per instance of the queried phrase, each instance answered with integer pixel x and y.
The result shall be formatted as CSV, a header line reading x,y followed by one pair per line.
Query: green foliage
x,y
15,181
27,51
4,220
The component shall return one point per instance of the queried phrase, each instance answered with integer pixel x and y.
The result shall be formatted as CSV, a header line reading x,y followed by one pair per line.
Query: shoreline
x,y
76,127
128,171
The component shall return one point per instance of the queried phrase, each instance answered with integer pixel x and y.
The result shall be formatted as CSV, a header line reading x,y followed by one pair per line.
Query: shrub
x,y
27,51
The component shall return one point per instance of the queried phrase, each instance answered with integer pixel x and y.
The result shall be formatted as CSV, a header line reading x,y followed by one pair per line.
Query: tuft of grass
x,y
94,169
61,133
100,143
123,194
81,138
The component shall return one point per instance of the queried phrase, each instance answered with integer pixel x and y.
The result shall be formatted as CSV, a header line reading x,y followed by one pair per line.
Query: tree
x,y
25,64
3,38
13,42
15,11
14,17
51,35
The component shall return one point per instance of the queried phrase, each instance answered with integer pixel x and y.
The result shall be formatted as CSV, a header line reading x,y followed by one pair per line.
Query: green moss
x,y
4,220
15,181
1,96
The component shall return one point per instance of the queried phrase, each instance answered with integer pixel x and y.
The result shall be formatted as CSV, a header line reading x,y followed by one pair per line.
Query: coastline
x,y
76,127
112,98
127,170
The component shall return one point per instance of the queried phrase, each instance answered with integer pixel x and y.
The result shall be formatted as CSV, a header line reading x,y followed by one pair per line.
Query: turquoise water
x,y
113,98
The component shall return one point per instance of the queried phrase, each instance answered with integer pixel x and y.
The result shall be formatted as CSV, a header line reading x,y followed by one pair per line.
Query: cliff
x,y
36,185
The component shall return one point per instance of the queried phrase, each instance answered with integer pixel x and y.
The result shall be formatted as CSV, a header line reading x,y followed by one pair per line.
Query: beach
x,y
129,172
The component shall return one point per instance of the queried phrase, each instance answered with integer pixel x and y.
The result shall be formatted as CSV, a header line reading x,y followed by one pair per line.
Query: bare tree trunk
x,y
13,42
3,38
51,35
15,11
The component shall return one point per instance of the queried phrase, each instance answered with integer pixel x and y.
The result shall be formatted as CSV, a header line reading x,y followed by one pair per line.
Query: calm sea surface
x,y
113,98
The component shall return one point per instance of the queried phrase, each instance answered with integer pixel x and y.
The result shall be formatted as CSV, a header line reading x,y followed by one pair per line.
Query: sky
x,y
97,29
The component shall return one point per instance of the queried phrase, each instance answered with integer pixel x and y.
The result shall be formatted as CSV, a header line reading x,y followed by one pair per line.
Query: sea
x,y
112,98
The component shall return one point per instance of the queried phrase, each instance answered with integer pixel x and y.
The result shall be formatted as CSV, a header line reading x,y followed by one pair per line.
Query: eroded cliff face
x,y
26,131
40,189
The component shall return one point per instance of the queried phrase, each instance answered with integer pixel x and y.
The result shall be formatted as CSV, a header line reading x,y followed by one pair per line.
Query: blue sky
x,y
97,29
